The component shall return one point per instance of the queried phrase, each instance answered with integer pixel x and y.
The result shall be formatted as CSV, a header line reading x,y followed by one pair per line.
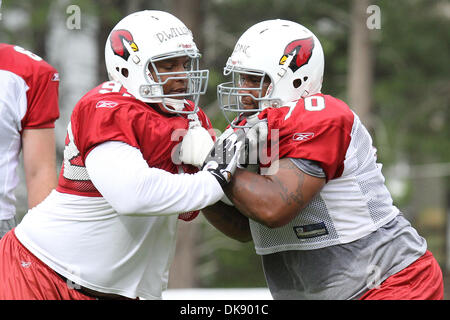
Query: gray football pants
x,y
6,225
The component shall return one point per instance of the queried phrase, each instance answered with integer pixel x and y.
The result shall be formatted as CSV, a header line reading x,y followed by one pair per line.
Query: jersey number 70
x,y
312,103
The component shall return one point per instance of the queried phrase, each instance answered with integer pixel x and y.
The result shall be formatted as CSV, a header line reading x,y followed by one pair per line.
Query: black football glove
x,y
223,157
255,141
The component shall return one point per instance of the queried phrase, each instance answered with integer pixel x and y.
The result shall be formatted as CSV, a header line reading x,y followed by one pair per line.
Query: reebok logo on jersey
x,y
55,77
106,104
301,136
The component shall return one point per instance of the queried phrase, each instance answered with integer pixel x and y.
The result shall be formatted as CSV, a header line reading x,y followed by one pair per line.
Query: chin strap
x,y
147,92
176,104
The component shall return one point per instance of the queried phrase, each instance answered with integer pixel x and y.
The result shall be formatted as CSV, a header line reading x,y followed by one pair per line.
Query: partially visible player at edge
x,y
28,111
324,223
108,231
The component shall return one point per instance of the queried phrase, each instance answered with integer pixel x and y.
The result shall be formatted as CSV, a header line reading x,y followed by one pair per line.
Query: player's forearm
x,y
256,197
157,192
275,199
39,159
229,221
40,184
125,180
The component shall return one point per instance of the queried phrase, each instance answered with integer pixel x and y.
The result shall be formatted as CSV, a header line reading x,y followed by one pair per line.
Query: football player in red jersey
x,y
130,173
320,216
28,111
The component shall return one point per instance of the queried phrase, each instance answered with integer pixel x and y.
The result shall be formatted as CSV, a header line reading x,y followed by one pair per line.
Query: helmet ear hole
x,y
124,72
297,83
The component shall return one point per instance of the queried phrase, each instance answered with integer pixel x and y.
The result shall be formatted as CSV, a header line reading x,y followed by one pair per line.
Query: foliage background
x,y
409,100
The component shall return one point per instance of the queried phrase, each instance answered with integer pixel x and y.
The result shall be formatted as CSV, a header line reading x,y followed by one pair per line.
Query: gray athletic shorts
x,y
6,225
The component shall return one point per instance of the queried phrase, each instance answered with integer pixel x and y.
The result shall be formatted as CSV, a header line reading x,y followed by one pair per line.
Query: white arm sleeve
x,y
123,177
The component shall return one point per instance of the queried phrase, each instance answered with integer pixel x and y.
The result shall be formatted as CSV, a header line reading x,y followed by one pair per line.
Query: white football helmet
x,y
285,51
143,38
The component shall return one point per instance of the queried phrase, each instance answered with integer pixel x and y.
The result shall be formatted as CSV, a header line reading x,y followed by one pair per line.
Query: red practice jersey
x,y
315,128
109,113
353,202
28,100
353,215
42,81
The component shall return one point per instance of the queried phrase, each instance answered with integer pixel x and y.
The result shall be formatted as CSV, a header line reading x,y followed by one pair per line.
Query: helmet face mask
x,y
231,94
132,55
283,51
195,80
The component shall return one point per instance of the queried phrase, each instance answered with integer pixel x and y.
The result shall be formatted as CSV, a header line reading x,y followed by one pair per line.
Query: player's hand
x,y
223,158
255,141
195,146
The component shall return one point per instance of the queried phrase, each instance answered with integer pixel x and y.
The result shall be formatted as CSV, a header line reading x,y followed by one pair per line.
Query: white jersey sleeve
x,y
125,180
13,106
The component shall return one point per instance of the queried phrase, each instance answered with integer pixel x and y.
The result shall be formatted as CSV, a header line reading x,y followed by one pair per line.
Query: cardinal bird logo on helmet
x,y
117,39
301,49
